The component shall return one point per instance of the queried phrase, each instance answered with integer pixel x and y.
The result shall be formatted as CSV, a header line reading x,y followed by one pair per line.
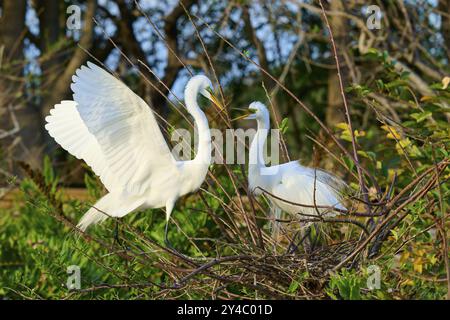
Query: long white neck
x,y
256,156
203,156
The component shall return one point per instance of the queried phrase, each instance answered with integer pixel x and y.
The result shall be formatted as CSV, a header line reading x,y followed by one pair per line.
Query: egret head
x,y
256,111
202,85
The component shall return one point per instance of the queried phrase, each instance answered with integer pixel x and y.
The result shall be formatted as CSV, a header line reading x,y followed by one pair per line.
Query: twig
x,y
347,111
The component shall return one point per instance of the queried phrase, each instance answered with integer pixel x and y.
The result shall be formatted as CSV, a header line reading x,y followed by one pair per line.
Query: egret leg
x,y
170,246
314,238
275,214
117,238
166,238
169,208
304,241
303,236
292,246
116,233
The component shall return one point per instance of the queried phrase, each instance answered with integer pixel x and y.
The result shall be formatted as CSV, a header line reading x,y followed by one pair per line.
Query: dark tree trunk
x,y
334,113
25,144
444,6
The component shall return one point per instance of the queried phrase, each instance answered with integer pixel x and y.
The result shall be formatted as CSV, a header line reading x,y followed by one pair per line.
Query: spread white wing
x,y
128,137
65,125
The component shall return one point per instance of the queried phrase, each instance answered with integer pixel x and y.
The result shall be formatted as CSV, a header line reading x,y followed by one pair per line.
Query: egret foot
x,y
293,247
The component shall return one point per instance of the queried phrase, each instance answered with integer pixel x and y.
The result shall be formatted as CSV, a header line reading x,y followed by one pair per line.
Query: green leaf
x,y
284,125
293,286
421,116
48,172
396,83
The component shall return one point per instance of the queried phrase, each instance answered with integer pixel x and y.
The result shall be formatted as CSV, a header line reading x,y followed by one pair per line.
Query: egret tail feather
x,y
99,212
110,205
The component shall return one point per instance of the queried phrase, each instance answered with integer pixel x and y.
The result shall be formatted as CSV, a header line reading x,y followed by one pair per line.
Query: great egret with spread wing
x,y
313,189
115,132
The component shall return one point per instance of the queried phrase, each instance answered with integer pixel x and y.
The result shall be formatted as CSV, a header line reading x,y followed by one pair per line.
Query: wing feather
x,y
65,125
296,184
124,126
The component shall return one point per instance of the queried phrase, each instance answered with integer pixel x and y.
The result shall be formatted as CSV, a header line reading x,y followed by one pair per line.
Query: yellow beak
x,y
215,100
241,117
246,115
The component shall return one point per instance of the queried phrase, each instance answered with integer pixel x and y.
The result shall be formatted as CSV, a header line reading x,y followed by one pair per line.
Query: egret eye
x,y
252,110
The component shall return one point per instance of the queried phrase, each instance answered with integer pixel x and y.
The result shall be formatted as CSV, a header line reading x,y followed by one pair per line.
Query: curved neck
x,y
203,155
256,157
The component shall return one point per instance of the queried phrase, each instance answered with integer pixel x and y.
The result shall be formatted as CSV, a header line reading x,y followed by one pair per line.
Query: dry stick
x,y
319,217
419,194
442,226
347,111
197,33
281,79
384,233
117,286
102,265
225,206
397,250
235,280
213,263
428,208
314,194
252,206
242,208
378,228
277,123
15,129
219,222
320,144
416,181
442,231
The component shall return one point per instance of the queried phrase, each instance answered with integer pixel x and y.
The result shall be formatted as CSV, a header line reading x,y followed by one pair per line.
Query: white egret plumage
x,y
313,189
115,132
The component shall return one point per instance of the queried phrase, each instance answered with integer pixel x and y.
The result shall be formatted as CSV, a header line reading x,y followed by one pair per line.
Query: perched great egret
x,y
115,132
310,187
